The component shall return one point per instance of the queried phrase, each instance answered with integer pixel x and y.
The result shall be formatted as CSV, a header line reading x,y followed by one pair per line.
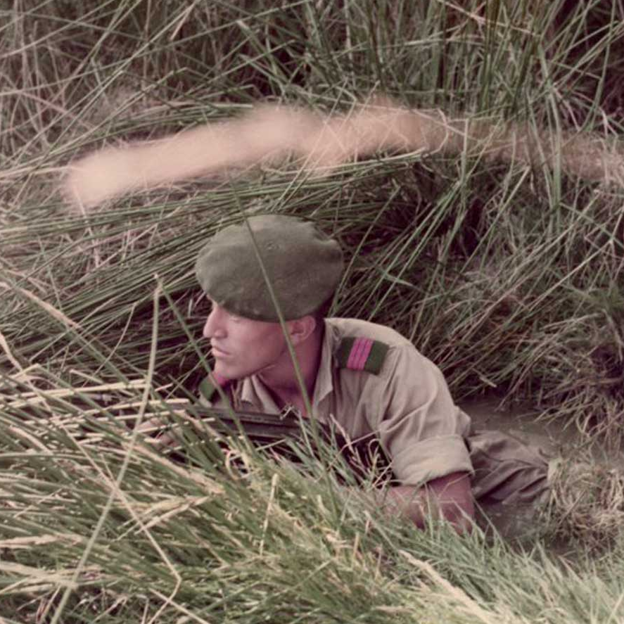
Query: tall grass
x,y
508,276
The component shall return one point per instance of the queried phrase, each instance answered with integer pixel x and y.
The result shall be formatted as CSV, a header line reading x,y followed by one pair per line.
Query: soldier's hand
x,y
158,433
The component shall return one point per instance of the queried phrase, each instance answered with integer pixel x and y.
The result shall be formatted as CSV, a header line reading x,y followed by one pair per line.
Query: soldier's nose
x,y
212,327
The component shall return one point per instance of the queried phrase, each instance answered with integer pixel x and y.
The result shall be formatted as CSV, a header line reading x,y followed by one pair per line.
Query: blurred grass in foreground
x,y
508,277
98,527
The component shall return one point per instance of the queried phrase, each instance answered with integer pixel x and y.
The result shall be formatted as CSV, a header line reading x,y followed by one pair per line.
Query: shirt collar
x,y
253,391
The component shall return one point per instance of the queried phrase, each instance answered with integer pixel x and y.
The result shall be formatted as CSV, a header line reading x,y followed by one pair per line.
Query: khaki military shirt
x,y
406,404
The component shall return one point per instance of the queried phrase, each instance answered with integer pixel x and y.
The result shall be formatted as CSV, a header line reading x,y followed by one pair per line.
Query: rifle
x,y
284,435
291,437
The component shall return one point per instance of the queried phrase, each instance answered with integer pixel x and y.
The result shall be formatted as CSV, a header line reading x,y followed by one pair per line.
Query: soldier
x,y
365,377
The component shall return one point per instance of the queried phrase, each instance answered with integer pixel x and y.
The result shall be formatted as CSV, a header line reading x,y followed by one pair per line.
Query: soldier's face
x,y
242,347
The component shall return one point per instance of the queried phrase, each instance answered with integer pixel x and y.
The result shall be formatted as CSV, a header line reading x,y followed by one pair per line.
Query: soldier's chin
x,y
219,368
228,372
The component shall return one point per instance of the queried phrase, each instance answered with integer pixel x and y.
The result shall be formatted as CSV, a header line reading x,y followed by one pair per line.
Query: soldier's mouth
x,y
218,353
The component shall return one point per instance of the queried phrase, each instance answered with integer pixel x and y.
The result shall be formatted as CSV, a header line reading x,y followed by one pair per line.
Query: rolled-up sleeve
x,y
420,427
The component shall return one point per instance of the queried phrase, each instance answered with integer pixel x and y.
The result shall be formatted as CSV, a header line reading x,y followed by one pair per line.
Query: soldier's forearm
x,y
447,498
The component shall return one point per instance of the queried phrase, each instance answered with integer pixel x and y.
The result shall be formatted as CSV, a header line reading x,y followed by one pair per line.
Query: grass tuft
x,y
587,502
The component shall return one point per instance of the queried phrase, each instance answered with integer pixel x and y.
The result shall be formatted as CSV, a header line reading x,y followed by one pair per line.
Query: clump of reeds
x,y
587,501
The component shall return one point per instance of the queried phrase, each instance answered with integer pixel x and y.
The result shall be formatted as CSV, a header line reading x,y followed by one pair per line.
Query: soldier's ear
x,y
301,329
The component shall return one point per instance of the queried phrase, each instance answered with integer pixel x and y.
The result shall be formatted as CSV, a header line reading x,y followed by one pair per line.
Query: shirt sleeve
x,y
420,427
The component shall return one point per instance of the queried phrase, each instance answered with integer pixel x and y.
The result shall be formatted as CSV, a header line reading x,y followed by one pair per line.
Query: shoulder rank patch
x,y
362,354
209,386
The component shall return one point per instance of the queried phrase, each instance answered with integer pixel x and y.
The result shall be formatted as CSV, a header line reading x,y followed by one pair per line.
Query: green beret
x,y
304,267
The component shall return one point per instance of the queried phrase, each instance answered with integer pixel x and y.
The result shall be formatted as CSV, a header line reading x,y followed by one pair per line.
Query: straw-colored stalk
x,y
270,133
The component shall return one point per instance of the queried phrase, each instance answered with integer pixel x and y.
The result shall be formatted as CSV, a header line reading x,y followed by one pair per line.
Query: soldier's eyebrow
x,y
214,304
233,316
